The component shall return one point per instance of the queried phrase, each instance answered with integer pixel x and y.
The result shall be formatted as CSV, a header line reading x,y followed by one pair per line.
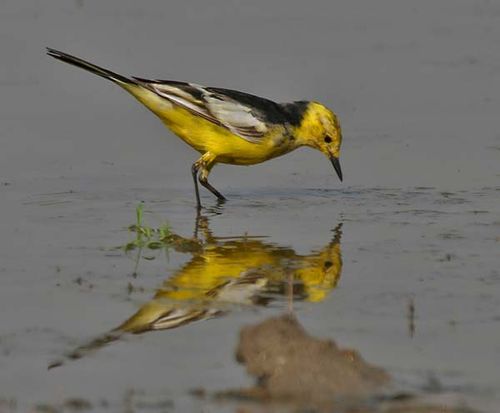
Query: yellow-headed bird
x,y
227,126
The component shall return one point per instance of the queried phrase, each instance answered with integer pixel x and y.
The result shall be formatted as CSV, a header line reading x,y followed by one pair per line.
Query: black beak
x,y
336,166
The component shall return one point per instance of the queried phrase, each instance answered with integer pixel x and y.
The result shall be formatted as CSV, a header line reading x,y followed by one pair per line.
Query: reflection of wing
x,y
245,115
219,262
162,314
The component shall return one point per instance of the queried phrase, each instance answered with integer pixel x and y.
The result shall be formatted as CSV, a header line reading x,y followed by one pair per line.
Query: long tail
x,y
105,73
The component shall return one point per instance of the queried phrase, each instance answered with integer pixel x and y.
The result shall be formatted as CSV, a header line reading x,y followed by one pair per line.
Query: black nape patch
x,y
295,111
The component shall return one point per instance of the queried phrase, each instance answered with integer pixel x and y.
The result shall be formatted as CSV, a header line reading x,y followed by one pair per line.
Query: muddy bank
x,y
299,371
290,364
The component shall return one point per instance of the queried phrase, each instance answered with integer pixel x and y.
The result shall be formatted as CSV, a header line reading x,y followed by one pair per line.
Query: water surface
x,y
412,235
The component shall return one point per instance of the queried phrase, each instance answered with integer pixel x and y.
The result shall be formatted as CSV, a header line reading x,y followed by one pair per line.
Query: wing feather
x,y
223,109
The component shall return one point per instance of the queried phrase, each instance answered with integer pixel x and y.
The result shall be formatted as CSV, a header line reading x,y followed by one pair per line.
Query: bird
x,y
228,126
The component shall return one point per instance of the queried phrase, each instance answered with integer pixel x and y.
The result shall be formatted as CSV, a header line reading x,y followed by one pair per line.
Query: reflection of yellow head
x,y
321,272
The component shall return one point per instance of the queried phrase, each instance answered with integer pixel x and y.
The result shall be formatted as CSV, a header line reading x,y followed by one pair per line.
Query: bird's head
x,y
320,129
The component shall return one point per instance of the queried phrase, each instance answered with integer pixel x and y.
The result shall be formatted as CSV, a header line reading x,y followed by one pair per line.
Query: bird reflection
x,y
226,273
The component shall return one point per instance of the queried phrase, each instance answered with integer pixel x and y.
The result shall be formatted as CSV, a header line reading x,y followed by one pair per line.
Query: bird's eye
x,y
328,139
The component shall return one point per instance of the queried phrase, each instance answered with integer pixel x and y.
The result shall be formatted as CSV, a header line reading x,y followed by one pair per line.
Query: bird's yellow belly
x,y
204,136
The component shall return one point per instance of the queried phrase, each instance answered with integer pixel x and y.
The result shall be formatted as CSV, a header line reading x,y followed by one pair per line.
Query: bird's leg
x,y
194,171
203,225
203,178
200,169
207,162
197,224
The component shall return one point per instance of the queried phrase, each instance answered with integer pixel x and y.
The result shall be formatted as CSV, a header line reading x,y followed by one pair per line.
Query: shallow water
x,y
412,234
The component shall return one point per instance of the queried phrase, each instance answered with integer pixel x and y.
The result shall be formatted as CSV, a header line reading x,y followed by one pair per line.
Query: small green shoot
x,y
147,237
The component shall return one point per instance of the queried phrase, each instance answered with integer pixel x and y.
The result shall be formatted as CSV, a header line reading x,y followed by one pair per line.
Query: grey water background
x,y
416,86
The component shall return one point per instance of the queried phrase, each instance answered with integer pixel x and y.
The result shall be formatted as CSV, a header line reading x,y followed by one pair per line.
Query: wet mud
x,y
303,373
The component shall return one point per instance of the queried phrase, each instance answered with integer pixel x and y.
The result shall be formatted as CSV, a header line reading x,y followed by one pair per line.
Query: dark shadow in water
x,y
297,372
228,273
411,317
292,367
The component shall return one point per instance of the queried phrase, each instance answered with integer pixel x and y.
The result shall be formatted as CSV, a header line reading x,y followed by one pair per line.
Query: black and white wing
x,y
245,115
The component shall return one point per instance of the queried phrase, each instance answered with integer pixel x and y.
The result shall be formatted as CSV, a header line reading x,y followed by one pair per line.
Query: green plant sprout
x,y
146,236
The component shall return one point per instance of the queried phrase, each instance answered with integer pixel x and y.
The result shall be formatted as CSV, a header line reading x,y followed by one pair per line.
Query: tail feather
x,y
105,73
